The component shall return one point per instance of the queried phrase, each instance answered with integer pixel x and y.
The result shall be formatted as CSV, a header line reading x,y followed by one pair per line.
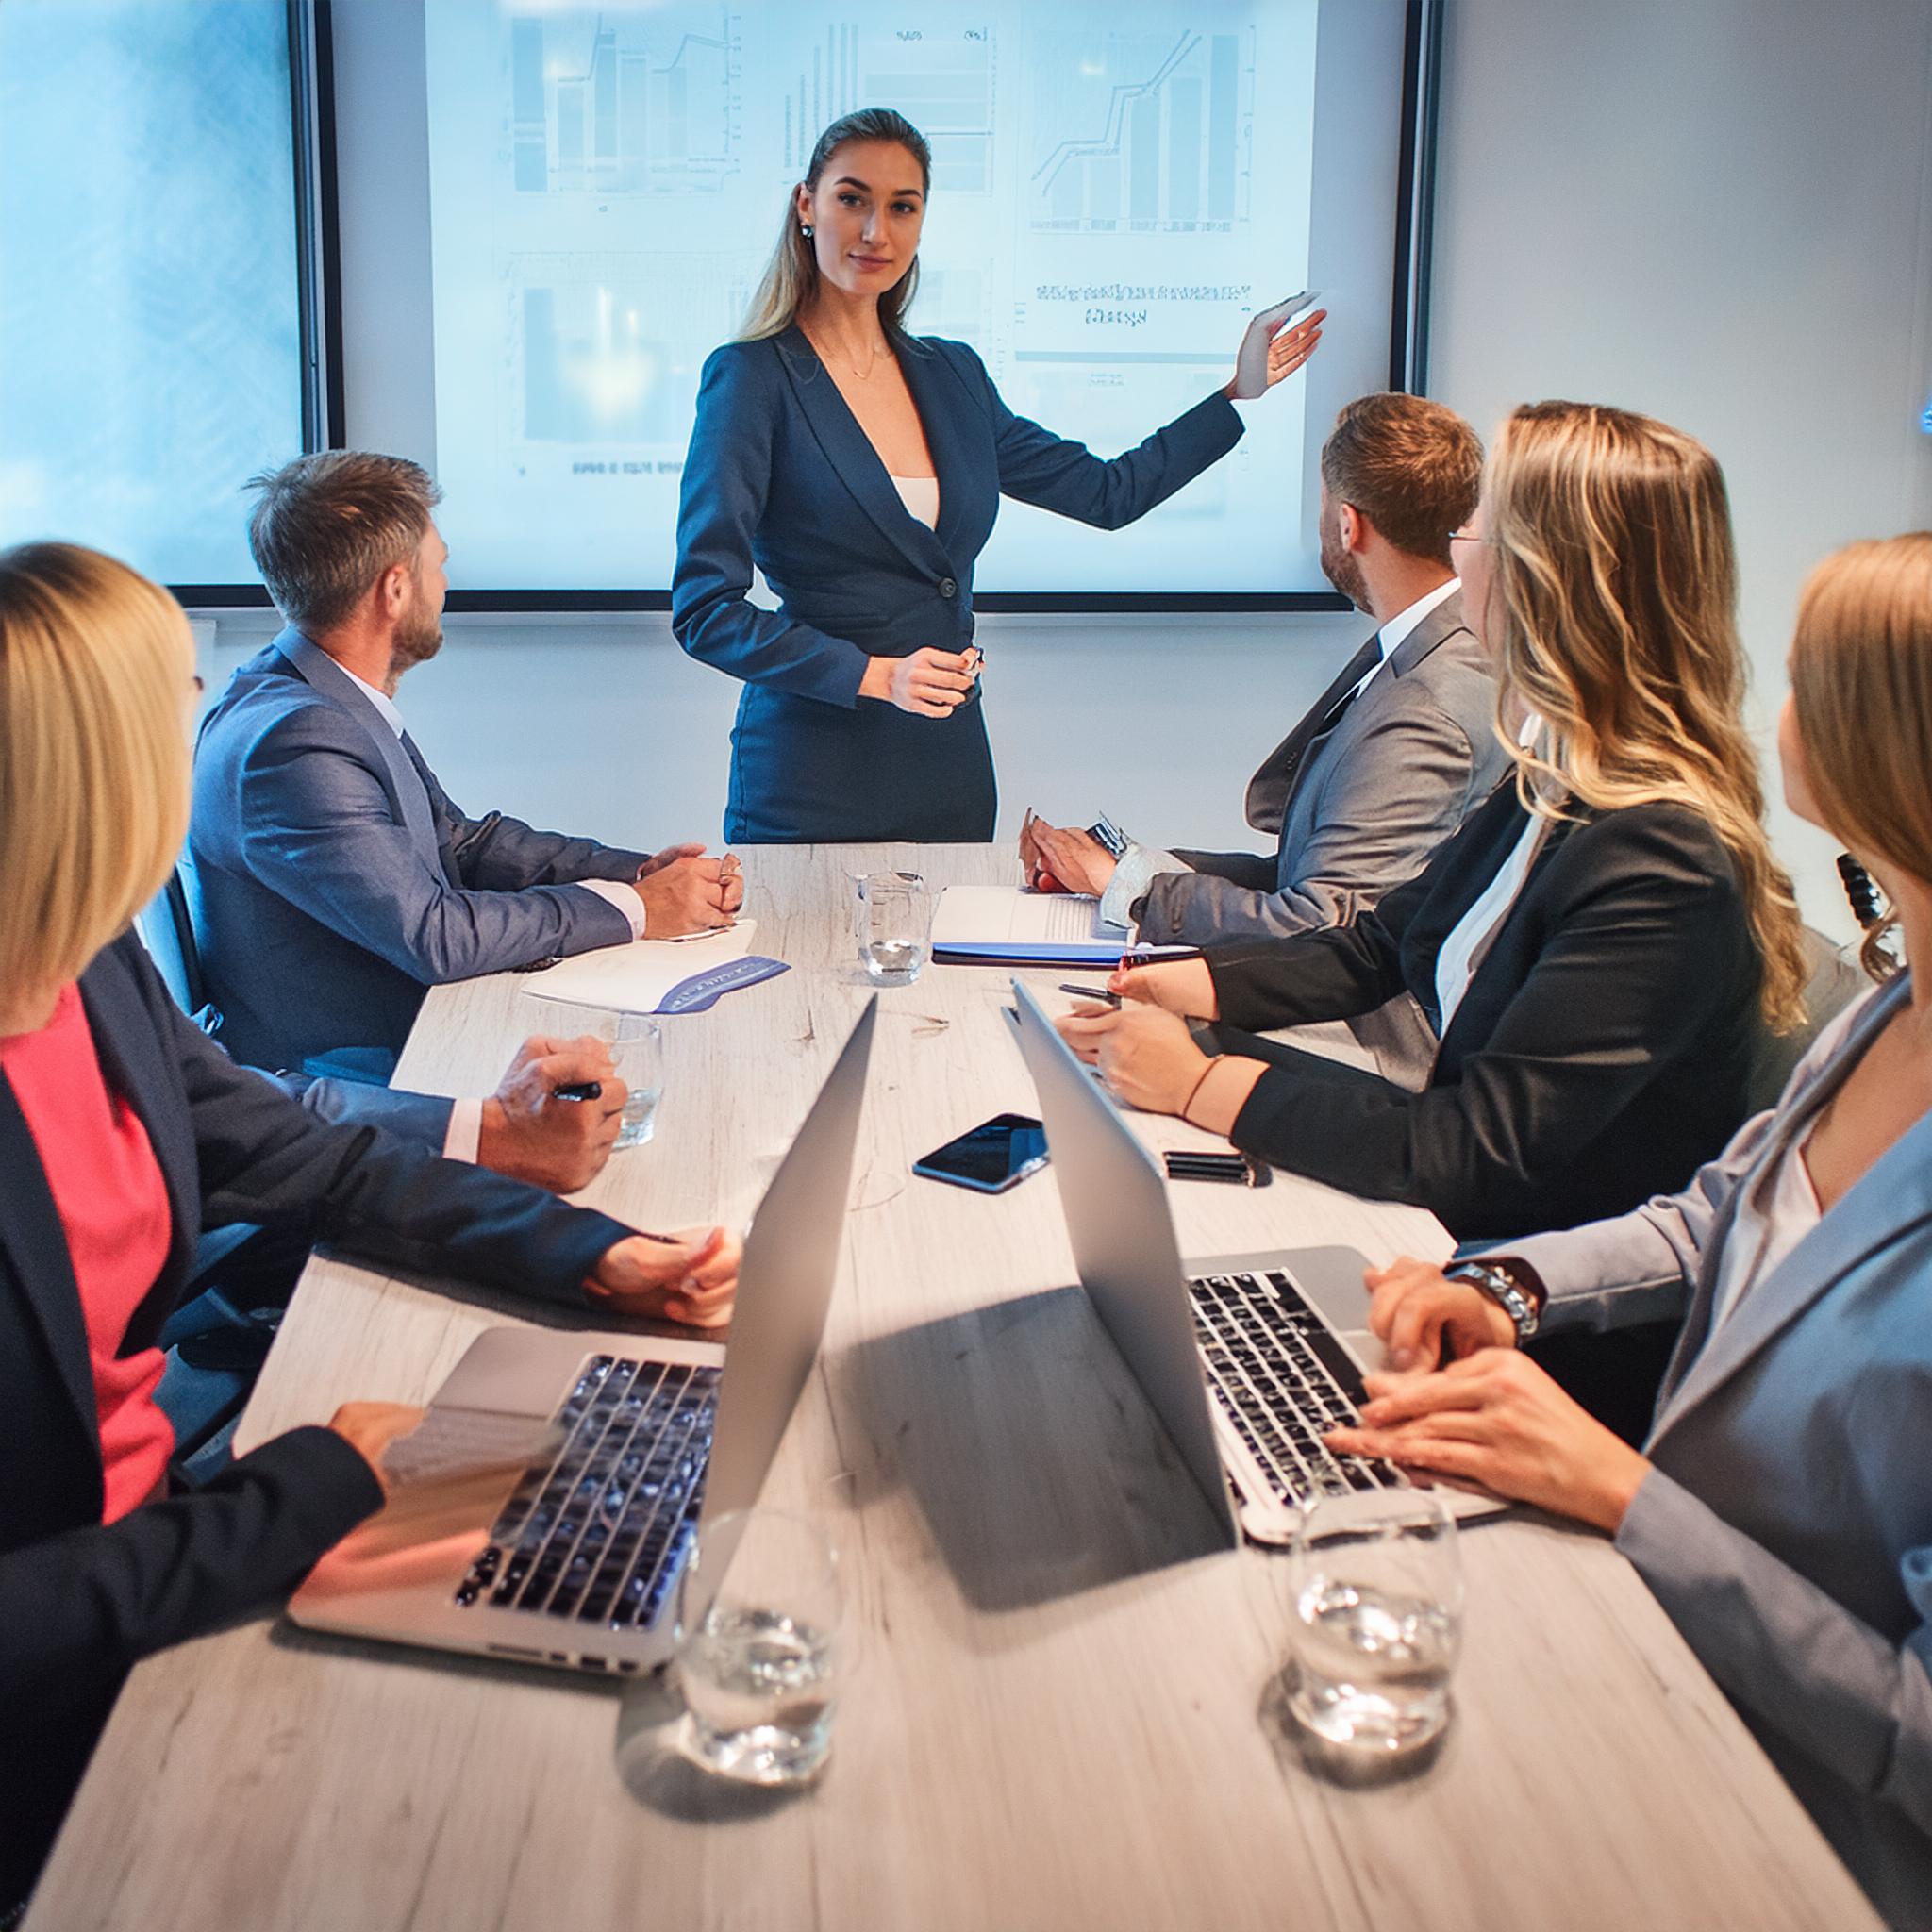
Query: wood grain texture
x,y
1066,1708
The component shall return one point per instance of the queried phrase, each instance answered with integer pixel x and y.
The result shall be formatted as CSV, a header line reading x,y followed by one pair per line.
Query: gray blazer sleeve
x,y
316,827
423,1118
1379,811
1786,1652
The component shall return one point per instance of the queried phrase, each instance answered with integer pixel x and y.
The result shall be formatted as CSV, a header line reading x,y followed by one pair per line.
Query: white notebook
x,y
635,978
1003,922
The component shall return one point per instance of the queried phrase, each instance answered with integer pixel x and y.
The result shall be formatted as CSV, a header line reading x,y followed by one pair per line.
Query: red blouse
x,y
113,1204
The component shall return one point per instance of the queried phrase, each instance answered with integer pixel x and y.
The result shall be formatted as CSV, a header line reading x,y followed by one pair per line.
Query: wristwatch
x,y
1108,837
1503,1288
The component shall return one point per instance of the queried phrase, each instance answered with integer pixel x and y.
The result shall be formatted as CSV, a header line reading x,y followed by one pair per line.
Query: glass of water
x,y
759,1647
1378,1594
636,1043
895,923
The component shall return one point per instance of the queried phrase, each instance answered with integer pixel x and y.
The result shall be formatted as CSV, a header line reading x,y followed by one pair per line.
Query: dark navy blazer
x,y
80,1601
781,475
331,881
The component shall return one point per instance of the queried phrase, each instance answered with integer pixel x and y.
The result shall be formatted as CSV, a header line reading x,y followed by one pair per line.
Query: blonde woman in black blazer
x,y
1621,924
125,1131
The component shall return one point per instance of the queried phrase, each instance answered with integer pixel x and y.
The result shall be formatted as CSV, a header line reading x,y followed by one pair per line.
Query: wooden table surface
x,y
1066,1709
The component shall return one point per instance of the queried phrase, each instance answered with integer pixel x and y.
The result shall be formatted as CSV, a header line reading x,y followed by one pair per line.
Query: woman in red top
x,y
124,1133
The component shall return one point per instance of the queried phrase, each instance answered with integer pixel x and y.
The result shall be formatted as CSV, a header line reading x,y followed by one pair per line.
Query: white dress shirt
x,y
1395,633
464,1134
1470,939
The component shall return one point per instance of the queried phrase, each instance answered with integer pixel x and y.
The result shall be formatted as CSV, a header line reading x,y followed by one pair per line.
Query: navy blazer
x,y
779,474
81,1602
331,881
1603,1048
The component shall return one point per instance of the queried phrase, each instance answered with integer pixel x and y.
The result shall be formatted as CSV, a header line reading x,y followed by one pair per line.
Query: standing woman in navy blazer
x,y
860,468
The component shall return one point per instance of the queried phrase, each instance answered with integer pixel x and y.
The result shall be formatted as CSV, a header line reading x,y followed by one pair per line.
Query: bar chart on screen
x,y
607,185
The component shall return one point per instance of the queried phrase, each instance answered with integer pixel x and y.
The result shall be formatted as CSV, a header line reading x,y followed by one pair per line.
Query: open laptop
x,y
1247,1359
575,1560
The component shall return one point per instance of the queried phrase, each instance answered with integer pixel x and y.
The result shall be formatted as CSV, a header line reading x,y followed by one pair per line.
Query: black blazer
x,y
1601,1052
80,1602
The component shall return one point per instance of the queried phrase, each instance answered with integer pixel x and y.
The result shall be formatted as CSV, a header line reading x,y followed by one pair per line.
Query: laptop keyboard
x,y
597,1531
1282,1379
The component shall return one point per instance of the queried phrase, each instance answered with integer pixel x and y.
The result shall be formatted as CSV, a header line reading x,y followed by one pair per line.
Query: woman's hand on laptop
x,y
690,1277
370,1427
1495,1421
1418,1312
1182,986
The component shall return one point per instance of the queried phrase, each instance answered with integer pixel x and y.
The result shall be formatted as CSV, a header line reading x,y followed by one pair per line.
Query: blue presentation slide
x,y
1116,189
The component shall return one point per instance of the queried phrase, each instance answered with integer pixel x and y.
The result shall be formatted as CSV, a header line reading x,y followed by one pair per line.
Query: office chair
x,y
214,1345
168,933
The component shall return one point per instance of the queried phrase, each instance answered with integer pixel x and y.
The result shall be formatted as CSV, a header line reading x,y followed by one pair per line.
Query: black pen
x,y
579,1090
1092,992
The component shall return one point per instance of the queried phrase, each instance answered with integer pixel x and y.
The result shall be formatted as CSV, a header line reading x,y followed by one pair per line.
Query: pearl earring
x,y
805,229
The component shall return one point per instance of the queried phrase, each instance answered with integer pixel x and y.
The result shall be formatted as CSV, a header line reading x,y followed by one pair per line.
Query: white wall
x,y
603,725
1716,210
1719,212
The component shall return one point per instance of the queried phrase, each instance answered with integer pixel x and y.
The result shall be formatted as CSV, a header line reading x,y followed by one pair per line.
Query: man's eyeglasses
x,y
1465,535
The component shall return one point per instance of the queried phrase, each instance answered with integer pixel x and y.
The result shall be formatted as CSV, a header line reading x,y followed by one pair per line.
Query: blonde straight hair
x,y
1616,586
791,276
94,670
1861,686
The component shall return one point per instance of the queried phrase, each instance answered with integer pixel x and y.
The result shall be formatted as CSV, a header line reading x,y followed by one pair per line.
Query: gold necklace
x,y
862,374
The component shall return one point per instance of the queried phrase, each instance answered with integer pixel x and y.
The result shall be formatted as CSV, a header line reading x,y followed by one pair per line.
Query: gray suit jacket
x,y
331,881
1786,1525
1410,759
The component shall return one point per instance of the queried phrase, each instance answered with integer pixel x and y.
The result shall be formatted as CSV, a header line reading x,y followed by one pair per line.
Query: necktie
x,y
1322,716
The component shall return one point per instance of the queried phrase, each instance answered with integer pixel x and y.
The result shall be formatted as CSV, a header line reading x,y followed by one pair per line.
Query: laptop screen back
x,y
1115,1201
785,1284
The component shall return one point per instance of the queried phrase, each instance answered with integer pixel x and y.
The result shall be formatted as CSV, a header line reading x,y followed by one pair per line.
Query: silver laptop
x,y
1247,1359
634,1442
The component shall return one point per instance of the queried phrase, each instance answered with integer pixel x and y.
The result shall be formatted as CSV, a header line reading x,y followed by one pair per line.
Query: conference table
x,y
1066,1704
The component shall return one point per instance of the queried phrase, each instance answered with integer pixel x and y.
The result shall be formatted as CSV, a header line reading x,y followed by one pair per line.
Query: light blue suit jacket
x,y
331,882
1787,1524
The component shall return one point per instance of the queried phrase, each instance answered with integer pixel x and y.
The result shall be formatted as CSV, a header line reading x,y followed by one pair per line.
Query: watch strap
x,y
1516,1298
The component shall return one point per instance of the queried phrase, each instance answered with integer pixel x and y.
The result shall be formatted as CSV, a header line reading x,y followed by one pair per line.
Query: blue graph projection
x,y
615,104
1150,136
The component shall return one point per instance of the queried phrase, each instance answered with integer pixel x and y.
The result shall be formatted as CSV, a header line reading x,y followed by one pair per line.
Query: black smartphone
x,y
1242,1169
992,1158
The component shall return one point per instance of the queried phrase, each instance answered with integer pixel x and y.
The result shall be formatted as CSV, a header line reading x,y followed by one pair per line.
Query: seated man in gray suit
x,y
1393,755
330,880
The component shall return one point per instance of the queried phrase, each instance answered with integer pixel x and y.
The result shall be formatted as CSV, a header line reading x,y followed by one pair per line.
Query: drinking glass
x,y
636,1044
895,923
758,1610
1377,1584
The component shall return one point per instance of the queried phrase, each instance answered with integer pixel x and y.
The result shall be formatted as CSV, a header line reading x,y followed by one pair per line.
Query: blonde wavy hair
x,y
1861,686
791,280
94,669
1615,586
